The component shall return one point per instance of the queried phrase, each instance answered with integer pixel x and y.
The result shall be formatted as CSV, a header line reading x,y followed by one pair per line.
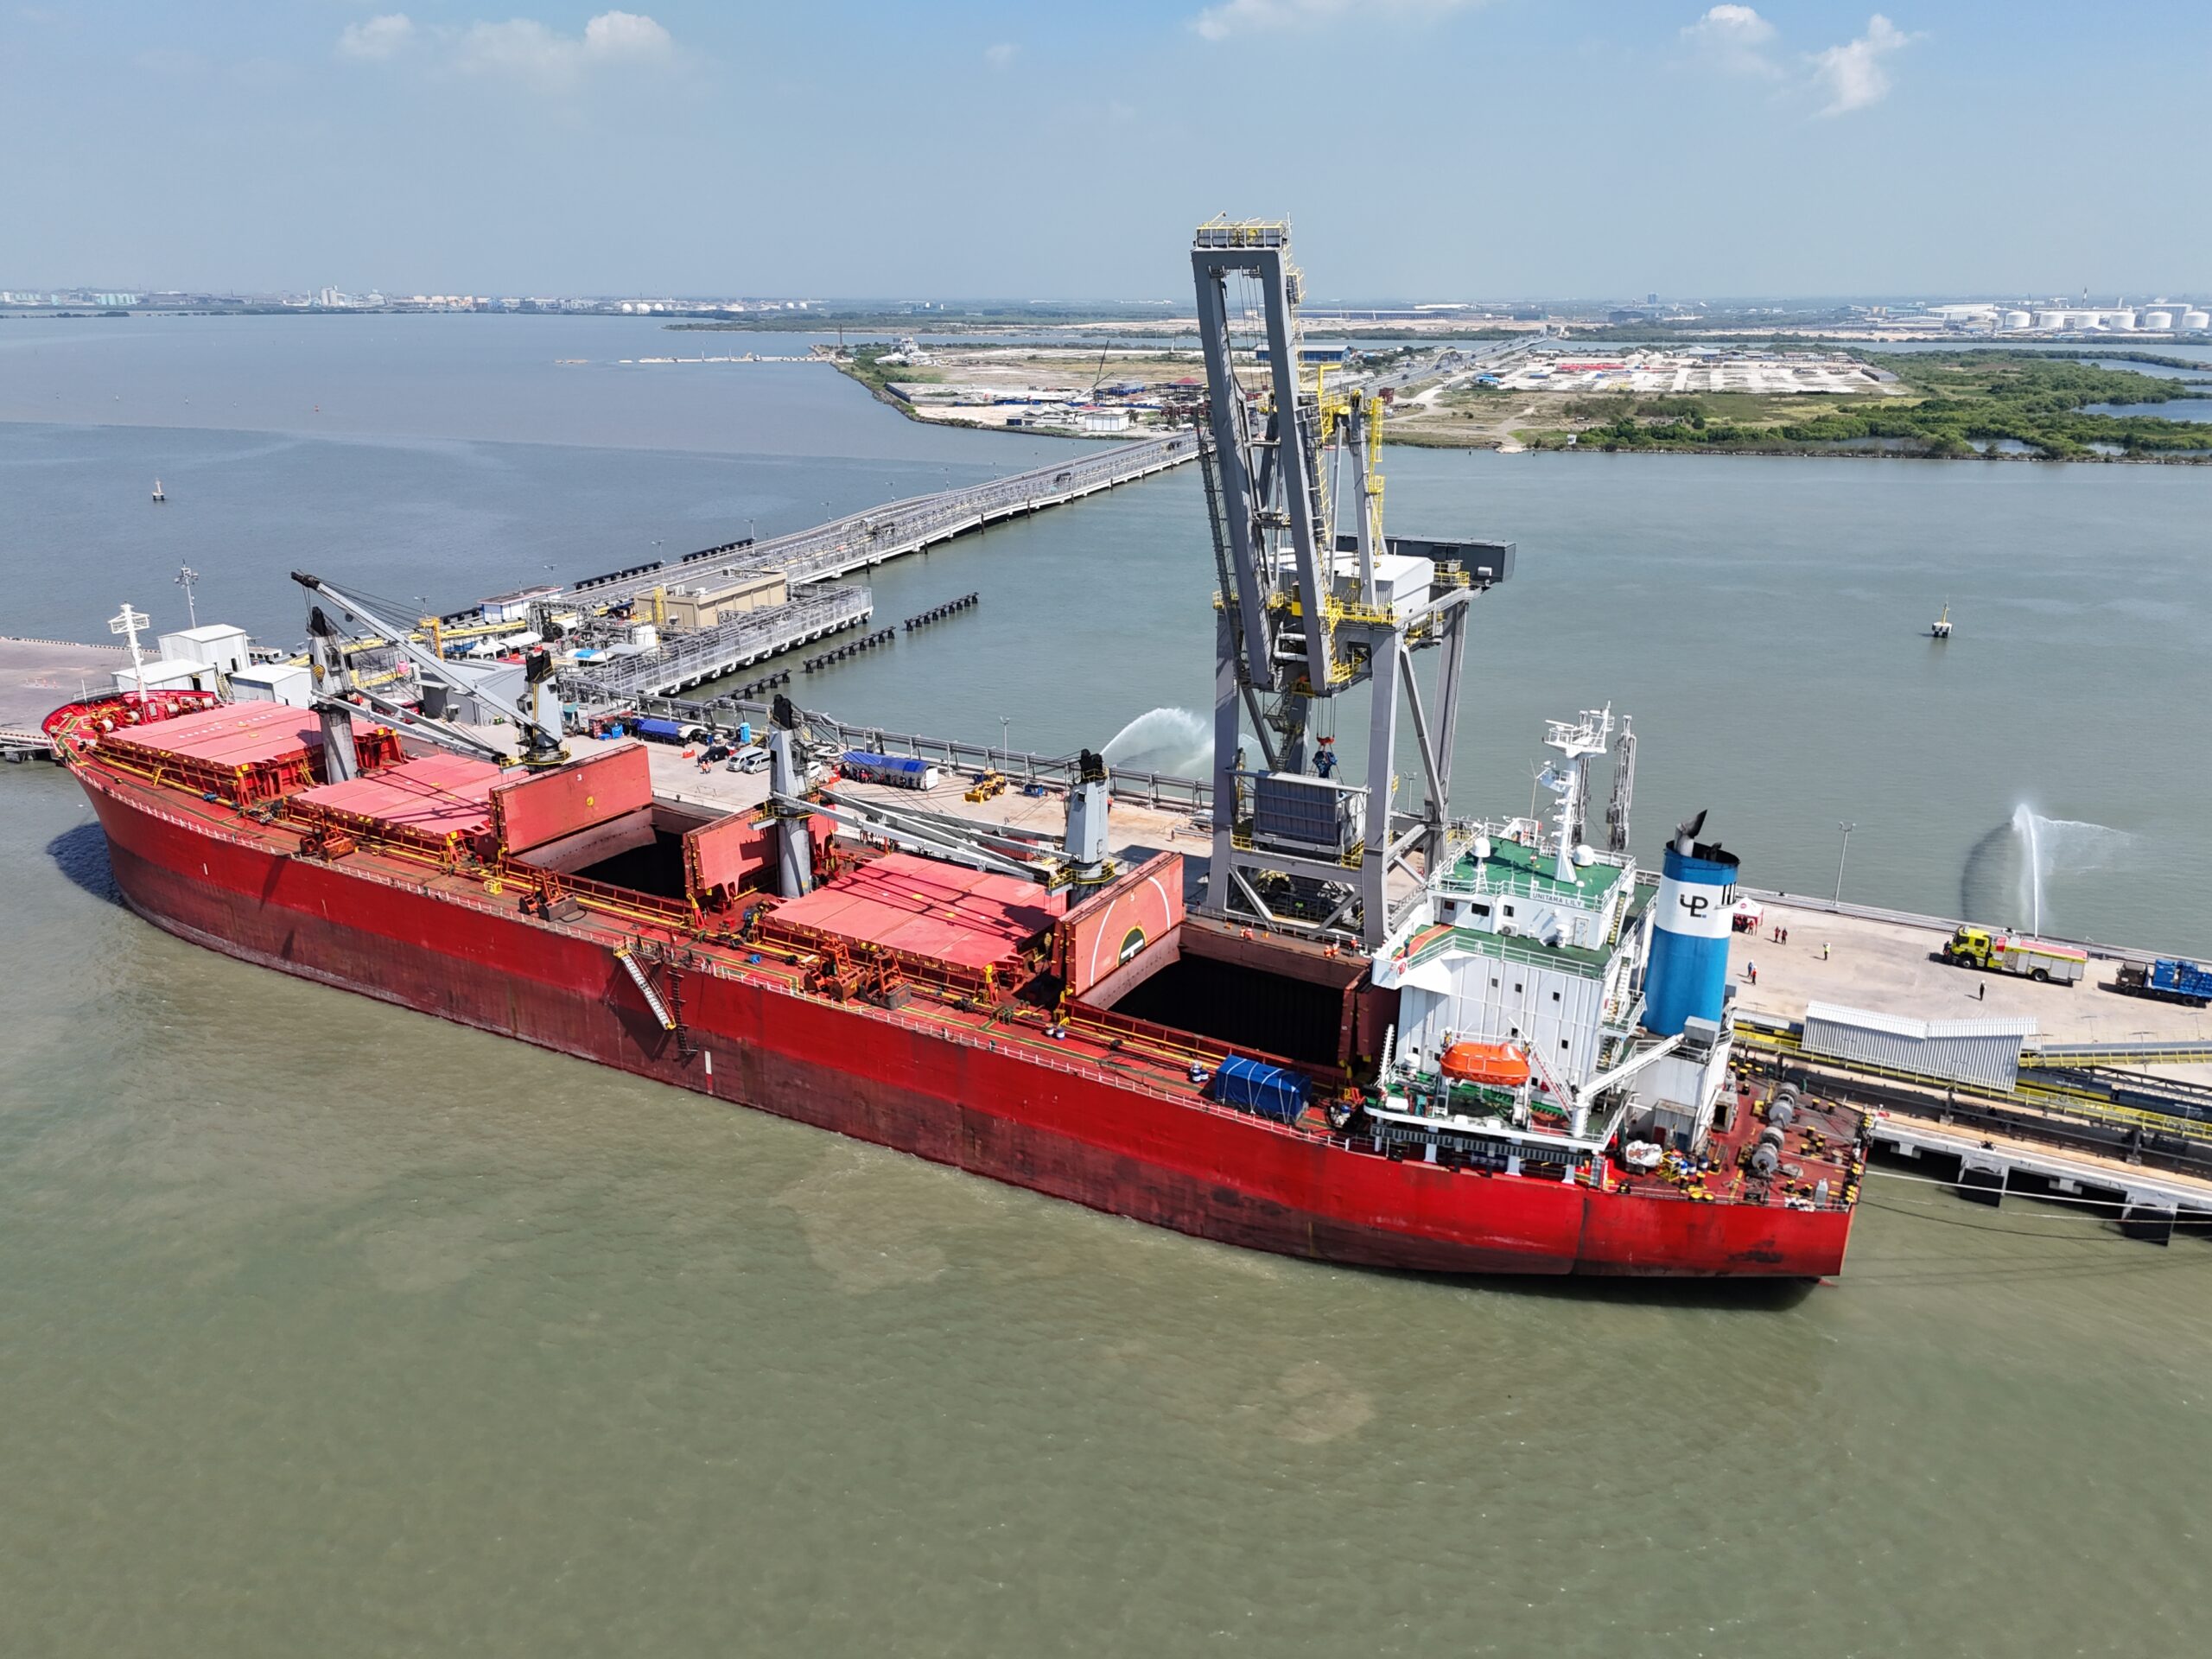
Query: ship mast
x,y
1576,742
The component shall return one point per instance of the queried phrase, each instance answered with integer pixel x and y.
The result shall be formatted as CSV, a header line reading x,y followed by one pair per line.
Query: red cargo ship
x,y
1041,1037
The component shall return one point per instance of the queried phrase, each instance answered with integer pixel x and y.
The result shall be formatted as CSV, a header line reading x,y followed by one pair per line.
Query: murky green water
x,y
328,1329
331,1329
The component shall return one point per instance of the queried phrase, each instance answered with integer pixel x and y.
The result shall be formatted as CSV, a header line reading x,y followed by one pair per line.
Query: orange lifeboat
x,y
1502,1065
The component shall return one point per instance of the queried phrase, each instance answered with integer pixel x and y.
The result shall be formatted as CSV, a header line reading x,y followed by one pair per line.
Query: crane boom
x,y
541,739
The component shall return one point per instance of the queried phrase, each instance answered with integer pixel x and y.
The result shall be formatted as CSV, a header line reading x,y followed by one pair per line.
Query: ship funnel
x,y
1088,801
1688,975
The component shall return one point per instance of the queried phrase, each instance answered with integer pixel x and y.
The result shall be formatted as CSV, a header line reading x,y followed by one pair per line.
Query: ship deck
x,y
1822,1144
1160,1064
1168,1064
1820,1147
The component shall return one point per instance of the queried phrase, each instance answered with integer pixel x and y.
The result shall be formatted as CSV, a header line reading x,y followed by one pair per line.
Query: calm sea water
x,y
329,1328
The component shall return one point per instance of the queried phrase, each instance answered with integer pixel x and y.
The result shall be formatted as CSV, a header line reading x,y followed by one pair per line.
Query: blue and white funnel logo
x,y
1695,908
1688,975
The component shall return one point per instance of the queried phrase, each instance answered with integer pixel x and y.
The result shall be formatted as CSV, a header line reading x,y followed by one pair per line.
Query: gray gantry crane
x,y
1316,604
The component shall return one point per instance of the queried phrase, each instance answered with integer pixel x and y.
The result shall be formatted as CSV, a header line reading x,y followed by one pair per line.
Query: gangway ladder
x,y
645,988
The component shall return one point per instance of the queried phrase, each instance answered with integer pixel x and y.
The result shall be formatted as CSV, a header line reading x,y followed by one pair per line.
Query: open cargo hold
x,y
1280,996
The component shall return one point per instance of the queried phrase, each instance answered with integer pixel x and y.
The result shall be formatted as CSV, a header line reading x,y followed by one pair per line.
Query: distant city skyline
x,y
851,148
1520,308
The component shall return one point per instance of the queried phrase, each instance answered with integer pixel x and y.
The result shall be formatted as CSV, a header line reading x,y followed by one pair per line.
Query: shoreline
x,y
1508,444
883,394
1414,441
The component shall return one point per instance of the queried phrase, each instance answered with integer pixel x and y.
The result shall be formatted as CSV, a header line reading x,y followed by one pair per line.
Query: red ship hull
x,y
950,1094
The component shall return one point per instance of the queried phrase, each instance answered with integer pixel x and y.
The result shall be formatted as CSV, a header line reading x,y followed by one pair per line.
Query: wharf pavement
x,y
37,677
1891,966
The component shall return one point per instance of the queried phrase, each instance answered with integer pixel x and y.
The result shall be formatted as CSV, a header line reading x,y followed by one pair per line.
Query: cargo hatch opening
x,y
598,822
1255,993
1248,1008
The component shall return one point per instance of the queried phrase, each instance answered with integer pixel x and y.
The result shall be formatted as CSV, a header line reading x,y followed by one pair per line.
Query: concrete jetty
x,y
809,559
861,541
1985,1166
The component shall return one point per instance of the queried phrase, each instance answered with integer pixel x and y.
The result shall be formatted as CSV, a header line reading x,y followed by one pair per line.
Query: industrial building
x,y
201,659
1982,1052
690,609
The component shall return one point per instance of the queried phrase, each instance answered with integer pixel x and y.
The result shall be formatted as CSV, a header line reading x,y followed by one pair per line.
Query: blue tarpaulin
x,y
1269,1090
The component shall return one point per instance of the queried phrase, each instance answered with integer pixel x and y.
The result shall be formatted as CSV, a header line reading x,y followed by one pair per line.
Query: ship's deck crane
x,y
1315,602
336,694
1078,858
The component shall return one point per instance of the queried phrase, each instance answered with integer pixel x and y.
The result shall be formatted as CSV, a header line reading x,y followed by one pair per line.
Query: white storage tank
x,y
2119,320
2052,320
2017,320
2158,320
2195,320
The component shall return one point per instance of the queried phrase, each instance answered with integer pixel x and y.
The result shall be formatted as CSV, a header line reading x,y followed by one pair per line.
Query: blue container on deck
x,y
660,731
1267,1091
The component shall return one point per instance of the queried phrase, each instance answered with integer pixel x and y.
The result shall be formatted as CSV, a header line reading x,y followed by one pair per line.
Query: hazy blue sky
x,y
1439,148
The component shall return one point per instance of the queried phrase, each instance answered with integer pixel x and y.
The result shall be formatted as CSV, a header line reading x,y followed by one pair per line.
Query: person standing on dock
x,y
1824,951
1750,970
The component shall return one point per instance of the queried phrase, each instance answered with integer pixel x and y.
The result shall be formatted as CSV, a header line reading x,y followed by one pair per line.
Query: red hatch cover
x,y
925,908
592,791
434,795
229,734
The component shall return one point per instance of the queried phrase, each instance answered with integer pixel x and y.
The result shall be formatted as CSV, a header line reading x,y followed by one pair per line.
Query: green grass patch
x,y
865,365
1955,403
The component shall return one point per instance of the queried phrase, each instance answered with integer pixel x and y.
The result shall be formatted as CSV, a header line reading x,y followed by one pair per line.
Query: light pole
x,y
1006,741
1839,857
185,575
